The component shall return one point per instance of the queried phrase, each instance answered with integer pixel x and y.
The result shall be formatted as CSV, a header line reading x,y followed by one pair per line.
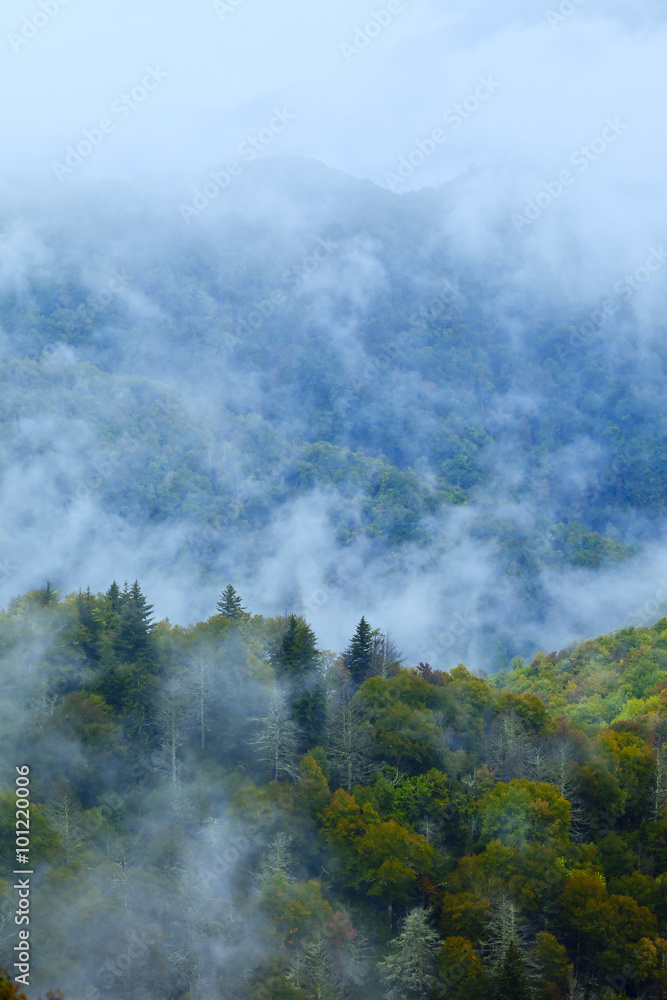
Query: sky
x,y
362,89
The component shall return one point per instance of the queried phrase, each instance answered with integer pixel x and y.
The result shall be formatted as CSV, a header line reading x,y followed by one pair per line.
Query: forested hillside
x,y
317,352
226,809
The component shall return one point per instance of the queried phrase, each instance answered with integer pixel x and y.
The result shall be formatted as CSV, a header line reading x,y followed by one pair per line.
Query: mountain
x,y
311,357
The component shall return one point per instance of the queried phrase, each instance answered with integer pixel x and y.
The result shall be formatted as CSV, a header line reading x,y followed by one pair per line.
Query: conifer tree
x,y
358,657
511,979
229,605
90,625
409,969
135,625
114,595
48,595
296,662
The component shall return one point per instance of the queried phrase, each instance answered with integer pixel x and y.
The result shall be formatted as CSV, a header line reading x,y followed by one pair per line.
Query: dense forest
x,y
228,810
318,353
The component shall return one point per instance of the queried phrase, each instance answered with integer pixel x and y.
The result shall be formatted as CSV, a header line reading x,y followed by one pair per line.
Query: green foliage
x,y
230,605
561,867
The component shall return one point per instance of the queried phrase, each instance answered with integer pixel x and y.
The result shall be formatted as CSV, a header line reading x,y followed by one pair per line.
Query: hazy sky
x,y
361,85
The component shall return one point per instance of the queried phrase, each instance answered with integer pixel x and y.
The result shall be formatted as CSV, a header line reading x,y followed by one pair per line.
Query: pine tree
x,y
409,970
90,625
511,979
359,655
297,654
296,662
114,596
229,605
133,638
48,595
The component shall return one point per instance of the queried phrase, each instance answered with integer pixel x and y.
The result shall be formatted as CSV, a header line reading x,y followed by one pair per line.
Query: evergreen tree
x,y
133,637
409,969
47,595
90,625
511,979
358,657
297,654
114,596
229,605
296,662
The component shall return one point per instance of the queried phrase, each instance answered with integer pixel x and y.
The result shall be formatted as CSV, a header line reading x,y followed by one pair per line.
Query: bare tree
x,y
659,783
171,719
349,742
64,815
200,680
276,860
277,741
507,748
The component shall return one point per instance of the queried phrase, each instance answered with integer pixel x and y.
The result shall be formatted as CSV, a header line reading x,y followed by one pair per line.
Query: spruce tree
x,y
296,662
229,605
115,597
358,657
133,638
48,595
511,978
409,969
90,625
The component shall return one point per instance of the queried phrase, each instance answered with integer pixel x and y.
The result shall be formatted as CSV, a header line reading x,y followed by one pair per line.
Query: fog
x,y
322,131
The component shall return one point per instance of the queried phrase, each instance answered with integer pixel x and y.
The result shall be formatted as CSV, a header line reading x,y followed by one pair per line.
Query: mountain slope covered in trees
x,y
318,341
227,809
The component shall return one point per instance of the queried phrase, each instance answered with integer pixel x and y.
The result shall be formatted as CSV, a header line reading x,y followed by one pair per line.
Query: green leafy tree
x,y
461,972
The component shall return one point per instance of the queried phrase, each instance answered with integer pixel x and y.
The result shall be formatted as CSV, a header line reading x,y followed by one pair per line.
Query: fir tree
x,y
511,978
229,605
133,638
358,657
296,662
47,595
409,969
114,596
90,625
